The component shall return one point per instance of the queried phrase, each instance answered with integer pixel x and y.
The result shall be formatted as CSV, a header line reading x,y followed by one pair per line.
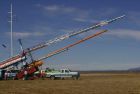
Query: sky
x,y
36,21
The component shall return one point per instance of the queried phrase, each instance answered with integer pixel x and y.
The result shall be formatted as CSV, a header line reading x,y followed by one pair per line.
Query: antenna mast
x,y
11,28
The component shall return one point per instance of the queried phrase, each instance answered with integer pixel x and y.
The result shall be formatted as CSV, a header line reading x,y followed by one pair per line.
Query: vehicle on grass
x,y
62,74
8,75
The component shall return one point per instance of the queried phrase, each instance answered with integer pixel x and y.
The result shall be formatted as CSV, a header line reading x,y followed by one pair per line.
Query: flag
x,y
3,45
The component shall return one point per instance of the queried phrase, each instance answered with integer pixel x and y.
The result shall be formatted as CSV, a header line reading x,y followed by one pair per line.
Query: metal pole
x,y
11,21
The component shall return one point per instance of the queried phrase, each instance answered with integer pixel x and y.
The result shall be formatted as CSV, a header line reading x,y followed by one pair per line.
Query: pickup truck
x,y
61,74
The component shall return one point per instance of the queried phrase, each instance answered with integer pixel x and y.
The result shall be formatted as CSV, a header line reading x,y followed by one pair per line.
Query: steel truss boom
x,y
66,36
71,45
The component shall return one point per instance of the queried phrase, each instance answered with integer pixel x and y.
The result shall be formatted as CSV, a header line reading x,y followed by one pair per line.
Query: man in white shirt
x,y
25,75
5,75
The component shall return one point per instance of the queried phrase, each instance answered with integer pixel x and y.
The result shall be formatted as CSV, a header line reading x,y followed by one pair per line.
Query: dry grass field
x,y
95,83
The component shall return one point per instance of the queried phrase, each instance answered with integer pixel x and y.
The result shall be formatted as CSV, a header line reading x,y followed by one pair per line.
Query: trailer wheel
x,y
52,77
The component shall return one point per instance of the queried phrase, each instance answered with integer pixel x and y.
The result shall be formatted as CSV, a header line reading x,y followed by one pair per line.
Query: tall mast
x,y
11,29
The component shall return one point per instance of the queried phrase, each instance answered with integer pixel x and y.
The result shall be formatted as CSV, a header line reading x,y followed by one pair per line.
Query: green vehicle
x,y
62,74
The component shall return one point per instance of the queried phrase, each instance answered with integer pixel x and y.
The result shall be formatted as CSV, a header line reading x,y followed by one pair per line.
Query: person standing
x,y
42,74
25,75
5,75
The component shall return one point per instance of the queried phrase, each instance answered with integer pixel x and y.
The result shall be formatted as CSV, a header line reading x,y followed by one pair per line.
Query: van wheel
x,y
52,77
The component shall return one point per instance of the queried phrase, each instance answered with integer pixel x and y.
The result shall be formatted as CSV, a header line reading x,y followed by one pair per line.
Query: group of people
x,y
25,67
8,75
26,75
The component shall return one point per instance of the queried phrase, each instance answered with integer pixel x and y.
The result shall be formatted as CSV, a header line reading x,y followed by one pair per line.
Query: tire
x,y
62,78
75,77
52,77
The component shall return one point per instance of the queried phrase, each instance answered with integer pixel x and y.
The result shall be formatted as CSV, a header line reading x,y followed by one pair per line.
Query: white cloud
x,y
121,33
26,34
72,12
77,14
134,16
57,8
36,31
86,20
125,33
93,16
52,8
80,19
60,9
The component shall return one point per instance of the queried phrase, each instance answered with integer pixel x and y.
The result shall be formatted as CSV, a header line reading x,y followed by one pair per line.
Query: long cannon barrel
x,y
69,46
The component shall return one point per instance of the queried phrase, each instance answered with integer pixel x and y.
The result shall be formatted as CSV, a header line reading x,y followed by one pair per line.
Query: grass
x,y
97,83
